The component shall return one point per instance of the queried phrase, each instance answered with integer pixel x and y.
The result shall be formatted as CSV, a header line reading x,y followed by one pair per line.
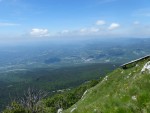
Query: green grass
x,y
124,91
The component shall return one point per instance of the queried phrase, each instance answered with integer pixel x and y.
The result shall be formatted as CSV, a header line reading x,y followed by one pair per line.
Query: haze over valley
x,y
62,56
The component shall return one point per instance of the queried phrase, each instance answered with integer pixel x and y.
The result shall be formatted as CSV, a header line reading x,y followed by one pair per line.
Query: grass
x,y
122,91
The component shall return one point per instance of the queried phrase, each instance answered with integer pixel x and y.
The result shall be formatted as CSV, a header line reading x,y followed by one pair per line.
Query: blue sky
x,y
69,18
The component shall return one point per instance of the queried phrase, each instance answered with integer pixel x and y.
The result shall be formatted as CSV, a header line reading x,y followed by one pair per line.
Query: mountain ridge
x,y
122,91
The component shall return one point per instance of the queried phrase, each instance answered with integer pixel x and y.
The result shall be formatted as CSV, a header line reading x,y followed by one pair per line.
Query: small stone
x,y
95,110
60,110
134,98
73,109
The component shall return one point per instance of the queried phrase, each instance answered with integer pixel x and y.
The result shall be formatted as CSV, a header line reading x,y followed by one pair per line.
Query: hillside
x,y
122,91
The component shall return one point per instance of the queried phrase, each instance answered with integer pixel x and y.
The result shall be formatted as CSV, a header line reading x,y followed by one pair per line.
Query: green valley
x,y
14,83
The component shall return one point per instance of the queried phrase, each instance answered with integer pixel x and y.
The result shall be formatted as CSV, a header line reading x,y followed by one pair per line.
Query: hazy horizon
x,y
23,20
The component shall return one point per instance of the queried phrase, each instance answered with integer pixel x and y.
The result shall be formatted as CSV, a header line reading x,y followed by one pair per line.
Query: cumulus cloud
x,y
35,32
130,30
114,26
8,24
100,22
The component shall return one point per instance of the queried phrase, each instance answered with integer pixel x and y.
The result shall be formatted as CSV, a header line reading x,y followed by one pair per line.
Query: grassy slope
x,y
124,91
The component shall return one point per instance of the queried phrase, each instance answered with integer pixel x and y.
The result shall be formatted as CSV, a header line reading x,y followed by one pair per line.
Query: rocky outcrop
x,y
146,67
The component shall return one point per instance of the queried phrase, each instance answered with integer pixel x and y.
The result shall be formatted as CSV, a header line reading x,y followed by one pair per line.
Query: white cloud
x,y
130,30
114,26
8,24
35,32
100,22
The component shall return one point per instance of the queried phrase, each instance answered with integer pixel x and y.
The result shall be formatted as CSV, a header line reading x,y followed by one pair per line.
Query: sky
x,y
24,19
